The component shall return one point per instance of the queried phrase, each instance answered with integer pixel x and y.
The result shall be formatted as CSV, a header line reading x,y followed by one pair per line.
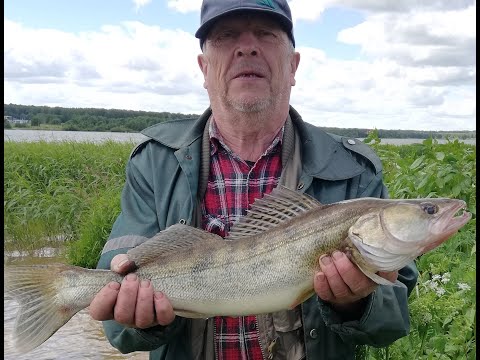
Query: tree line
x,y
115,120
89,119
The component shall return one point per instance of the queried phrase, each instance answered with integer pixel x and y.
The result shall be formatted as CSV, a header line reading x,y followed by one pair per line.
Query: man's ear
x,y
294,66
203,64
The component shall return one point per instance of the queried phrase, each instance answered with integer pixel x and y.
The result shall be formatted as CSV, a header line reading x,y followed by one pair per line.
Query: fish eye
x,y
430,208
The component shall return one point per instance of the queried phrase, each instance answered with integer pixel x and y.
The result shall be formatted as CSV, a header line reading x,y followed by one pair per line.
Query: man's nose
x,y
247,44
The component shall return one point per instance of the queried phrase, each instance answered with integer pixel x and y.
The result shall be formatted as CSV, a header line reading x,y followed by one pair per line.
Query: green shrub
x,y
72,190
49,187
93,230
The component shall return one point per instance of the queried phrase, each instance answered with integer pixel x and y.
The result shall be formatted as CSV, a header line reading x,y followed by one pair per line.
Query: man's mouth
x,y
249,75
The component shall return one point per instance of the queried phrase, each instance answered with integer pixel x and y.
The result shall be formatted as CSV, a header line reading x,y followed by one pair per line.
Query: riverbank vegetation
x,y
90,119
71,191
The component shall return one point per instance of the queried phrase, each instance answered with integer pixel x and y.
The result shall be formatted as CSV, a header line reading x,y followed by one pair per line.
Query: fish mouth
x,y
448,223
454,218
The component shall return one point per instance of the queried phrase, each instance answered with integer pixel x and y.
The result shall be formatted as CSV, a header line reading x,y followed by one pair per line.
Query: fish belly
x,y
242,283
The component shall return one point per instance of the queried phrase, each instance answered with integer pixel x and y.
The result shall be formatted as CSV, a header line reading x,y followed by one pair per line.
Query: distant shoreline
x,y
465,134
30,135
130,121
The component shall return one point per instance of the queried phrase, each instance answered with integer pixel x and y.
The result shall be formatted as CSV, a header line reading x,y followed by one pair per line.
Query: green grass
x,y
50,188
73,190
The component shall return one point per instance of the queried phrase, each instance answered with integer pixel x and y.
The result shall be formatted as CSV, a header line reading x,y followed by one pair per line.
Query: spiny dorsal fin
x,y
169,241
281,205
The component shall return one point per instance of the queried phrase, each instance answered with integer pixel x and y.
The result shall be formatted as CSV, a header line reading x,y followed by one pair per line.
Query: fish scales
x,y
266,264
279,263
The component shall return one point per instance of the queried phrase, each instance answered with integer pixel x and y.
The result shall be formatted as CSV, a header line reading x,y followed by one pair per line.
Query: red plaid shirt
x,y
233,185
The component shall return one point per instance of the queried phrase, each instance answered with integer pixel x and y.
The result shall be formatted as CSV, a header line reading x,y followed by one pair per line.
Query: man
x,y
206,172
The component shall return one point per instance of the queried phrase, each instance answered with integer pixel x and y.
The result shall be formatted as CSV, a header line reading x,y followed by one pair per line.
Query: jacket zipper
x,y
258,337
215,344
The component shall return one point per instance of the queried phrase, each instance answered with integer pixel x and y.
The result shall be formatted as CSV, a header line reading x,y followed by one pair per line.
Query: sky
x,y
384,64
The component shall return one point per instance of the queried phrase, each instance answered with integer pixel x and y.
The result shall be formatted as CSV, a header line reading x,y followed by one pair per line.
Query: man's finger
x,y
338,287
321,287
101,307
389,275
358,283
121,264
124,311
144,316
163,309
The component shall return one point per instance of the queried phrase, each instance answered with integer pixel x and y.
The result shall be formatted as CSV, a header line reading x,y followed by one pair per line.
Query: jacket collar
x,y
322,156
177,134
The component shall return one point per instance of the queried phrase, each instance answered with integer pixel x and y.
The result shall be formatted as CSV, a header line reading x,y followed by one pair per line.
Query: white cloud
x,y
381,94
405,6
116,67
140,3
185,6
434,38
307,9
417,70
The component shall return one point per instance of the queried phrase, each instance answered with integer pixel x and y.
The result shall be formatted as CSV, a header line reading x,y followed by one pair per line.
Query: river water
x,y
79,136
81,338
92,136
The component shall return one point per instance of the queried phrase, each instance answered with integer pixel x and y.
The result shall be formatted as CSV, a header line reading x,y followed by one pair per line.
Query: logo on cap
x,y
267,3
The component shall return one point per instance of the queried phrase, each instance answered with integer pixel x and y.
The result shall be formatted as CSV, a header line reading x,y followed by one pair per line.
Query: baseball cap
x,y
212,10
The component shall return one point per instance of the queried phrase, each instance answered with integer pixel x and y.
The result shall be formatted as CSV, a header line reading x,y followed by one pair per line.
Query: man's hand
x,y
343,285
133,303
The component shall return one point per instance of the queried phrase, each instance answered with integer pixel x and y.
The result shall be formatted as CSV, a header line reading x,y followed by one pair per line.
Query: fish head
x,y
390,235
424,222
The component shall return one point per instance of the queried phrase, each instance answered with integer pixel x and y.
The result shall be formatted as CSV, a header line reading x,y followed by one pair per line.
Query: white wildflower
x,y
433,285
426,318
463,286
440,291
445,278
436,277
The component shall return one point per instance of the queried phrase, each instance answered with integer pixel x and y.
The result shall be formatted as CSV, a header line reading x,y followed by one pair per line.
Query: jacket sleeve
x,y
385,317
138,217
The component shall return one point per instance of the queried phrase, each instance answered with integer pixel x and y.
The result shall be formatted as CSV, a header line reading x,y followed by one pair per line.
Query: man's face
x,y
248,63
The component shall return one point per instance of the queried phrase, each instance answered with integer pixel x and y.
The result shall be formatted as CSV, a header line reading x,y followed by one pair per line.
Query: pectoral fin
x,y
190,314
378,279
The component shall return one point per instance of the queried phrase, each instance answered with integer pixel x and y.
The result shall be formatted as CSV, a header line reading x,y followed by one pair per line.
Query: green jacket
x,y
161,189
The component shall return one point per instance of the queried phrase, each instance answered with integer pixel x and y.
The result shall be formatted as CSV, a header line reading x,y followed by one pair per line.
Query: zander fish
x,y
266,264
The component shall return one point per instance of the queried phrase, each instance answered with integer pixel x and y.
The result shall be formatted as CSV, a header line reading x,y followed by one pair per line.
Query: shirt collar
x,y
217,141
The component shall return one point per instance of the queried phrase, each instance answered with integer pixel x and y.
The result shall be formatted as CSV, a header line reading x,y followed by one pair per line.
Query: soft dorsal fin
x,y
281,205
169,241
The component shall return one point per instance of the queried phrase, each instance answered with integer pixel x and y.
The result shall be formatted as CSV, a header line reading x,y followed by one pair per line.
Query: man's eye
x,y
266,33
226,34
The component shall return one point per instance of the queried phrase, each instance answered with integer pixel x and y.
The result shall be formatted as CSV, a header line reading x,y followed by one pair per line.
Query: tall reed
x,y
50,187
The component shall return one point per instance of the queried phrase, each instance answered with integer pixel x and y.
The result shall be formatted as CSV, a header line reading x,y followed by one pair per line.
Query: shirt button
x,y
351,141
313,333
300,186
252,326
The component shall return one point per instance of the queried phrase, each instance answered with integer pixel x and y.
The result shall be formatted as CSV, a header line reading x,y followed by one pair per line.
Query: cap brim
x,y
203,30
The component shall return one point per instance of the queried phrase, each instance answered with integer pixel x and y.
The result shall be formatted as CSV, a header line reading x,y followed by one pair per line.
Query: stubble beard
x,y
253,106
249,106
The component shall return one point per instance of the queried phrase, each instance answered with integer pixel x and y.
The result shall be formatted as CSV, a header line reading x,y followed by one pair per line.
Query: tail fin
x,y
43,310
